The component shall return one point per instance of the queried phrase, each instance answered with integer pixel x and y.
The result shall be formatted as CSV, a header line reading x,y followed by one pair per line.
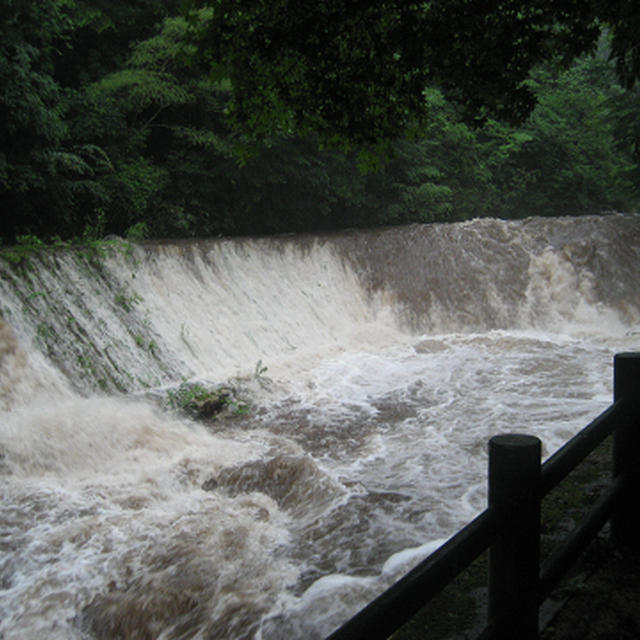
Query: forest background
x,y
110,124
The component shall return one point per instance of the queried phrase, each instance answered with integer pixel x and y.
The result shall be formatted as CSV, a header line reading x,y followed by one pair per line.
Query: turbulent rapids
x,y
365,372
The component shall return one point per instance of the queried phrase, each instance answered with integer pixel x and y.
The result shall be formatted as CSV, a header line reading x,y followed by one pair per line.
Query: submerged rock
x,y
210,484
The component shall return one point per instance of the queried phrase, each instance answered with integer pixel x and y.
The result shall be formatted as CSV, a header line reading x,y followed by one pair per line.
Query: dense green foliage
x,y
356,71
112,121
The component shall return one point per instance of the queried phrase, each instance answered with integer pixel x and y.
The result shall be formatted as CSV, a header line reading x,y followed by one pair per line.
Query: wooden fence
x,y
510,526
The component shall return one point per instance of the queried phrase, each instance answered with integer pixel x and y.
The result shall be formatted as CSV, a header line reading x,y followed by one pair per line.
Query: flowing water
x,y
367,371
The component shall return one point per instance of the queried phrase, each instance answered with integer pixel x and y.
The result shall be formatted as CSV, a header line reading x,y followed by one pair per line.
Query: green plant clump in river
x,y
198,401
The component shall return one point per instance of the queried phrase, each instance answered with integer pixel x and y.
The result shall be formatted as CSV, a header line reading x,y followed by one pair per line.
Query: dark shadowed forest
x,y
146,119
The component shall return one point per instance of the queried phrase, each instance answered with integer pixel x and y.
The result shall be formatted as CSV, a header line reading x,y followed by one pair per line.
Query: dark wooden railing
x,y
510,527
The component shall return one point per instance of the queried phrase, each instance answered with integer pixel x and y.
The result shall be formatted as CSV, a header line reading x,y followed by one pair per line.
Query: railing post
x,y
514,558
625,523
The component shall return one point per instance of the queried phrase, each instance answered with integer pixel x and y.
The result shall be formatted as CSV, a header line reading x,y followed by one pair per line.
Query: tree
x,y
355,71
102,36
575,158
32,129
110,115
54,178
623,19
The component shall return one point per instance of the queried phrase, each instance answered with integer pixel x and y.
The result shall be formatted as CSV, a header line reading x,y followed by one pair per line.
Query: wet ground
x,y
603,601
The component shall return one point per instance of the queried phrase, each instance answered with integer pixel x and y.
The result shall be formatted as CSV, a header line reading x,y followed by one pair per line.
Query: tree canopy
x,y
255,117
355,71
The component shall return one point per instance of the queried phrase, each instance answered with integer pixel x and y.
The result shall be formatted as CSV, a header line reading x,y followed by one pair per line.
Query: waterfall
x,y
366,369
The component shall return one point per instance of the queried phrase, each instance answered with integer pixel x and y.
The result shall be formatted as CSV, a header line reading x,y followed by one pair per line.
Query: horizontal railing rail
x,y
510,527
389,611
558,466
568,551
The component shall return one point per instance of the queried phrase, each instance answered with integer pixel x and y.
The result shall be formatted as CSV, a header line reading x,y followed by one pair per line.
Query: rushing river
x,y
368,370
